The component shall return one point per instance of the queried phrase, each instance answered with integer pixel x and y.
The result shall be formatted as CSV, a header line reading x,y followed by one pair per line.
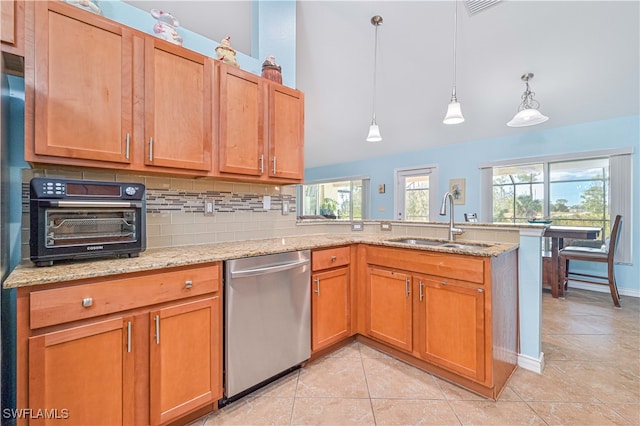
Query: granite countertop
x,y
27,274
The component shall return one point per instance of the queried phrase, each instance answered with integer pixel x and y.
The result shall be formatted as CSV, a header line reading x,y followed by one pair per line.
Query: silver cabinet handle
x,y
87,301
274,164
480,290
406,286
261,163
128,145
128,336
421,293
334,258
157,320
151,149
443,283
317,280
188,284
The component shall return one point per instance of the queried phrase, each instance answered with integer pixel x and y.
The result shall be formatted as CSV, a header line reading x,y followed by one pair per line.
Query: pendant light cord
x,y
375,66
455,36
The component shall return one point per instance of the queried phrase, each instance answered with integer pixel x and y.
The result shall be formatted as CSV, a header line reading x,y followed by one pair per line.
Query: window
x,y
343,199
577,190
414,199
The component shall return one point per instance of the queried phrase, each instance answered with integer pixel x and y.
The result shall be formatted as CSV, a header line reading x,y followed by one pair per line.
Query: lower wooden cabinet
x,y
116,365
84,375
330,297
184,358
389,307
452,326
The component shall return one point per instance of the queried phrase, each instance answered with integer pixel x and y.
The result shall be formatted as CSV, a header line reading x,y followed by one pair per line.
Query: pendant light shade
x,y
374,130
528,114
374,133
454,111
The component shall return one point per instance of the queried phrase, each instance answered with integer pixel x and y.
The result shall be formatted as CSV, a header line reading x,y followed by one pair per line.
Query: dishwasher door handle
x,y
268,269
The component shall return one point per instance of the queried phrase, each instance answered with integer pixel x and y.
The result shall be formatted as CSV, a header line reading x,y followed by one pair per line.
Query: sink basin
x,y
421,242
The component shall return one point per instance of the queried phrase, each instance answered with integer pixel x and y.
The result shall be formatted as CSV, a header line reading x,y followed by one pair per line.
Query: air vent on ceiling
x,y
476,6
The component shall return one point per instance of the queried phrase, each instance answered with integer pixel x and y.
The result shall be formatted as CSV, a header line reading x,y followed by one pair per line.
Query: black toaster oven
x,y
79,219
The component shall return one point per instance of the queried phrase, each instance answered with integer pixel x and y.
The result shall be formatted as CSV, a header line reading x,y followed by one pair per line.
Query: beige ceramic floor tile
x,y
352,350
495,413
631,412
413,412
589,347
609,382
369,352
552,385
283,387
455,392
390,378
333,377
258,410
572,413
332,411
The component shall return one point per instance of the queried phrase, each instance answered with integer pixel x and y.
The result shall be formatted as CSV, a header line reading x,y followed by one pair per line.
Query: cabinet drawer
x,y
60,305
461,267
330,258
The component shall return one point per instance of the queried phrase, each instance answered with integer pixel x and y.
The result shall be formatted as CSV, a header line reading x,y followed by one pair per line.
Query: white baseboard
x,y
532,364
602,289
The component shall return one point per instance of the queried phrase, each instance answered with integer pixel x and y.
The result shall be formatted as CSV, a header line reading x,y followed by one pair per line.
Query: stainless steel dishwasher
x,y
267,318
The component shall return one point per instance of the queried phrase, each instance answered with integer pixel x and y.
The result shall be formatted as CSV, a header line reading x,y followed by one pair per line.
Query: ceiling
x,y
585,56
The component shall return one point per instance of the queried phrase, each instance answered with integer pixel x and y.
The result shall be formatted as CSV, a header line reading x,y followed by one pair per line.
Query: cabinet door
x,y
388,307
242,117
83,85
84,374
185,358
452,326
177,107
330,307
286,132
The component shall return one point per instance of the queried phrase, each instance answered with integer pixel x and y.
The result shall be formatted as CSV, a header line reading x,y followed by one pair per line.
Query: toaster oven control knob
x,y
130,190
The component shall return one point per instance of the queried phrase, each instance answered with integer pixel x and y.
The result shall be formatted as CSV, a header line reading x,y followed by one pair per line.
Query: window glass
x,y
416,198
518,193
344,199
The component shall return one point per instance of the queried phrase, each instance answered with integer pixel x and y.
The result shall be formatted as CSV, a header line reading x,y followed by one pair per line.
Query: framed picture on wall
x,y
456,187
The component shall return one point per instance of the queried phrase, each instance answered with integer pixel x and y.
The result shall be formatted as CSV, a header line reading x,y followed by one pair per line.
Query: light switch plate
x,y
357,226
385,226
209,207
285,207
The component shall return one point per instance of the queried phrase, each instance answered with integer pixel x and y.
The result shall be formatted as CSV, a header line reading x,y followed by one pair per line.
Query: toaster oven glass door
x,y
67,227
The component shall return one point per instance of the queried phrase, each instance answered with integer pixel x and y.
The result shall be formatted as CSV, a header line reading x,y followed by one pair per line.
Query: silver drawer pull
x,y
188,284
334,258
87,301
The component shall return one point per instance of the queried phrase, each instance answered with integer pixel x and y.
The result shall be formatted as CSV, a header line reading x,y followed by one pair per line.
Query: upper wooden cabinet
x,y
261,128
108,96
177,106
241,122
100,94
12,26
83,80
286,133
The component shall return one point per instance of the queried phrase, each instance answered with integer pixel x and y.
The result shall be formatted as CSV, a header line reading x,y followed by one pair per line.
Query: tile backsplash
x,y
175,208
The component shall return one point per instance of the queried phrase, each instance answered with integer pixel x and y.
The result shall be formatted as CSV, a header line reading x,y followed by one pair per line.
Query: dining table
x,y
558,233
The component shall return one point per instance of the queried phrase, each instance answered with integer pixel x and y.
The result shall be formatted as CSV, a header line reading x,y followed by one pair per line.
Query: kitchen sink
x,y
421,242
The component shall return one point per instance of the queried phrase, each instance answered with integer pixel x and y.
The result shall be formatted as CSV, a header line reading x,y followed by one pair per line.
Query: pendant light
x,y
528,114
374,130
454,112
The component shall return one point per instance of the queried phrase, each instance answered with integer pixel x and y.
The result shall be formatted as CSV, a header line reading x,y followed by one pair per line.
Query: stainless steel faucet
x,y
443,211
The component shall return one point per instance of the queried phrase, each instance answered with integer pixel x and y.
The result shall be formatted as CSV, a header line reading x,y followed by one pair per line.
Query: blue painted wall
x,y
462,161
275,22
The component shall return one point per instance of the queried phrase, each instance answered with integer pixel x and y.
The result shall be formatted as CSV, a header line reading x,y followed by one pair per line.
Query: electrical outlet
x,y
357,226
209,207
285,207
385,226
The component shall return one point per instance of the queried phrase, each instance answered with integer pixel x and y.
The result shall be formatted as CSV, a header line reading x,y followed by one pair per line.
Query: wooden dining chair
x,y
591,254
